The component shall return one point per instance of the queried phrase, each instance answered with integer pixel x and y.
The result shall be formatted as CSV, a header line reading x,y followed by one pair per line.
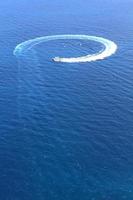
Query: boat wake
x,y
109,47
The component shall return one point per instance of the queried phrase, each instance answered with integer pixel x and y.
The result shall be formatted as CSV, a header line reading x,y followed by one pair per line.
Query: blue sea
x,y
66,129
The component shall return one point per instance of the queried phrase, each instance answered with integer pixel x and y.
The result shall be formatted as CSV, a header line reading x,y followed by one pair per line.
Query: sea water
x,y
66,128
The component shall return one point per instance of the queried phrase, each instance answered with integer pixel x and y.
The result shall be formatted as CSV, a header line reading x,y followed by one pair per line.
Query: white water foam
x,y
110,47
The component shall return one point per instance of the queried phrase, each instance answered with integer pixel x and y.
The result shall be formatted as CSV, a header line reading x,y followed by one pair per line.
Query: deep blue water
x,y
66,130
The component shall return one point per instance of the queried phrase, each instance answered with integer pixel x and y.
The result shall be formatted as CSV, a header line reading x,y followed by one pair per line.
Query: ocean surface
x,y
66,129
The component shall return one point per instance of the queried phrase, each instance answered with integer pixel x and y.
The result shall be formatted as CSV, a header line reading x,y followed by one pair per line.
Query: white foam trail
x,y
110,47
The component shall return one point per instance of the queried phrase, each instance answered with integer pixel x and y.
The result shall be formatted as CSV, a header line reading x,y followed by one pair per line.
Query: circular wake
x,y
109,47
